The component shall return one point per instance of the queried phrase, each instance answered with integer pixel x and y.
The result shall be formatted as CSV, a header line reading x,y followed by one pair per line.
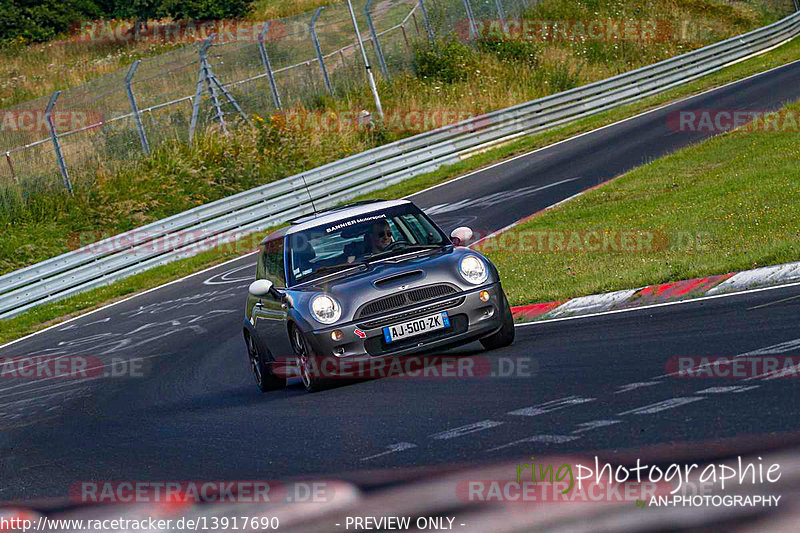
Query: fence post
x,y
500,12
202,79
11,168
405,37
427,21
376,42
268,66
48,115
319,50
135,108
473,30
367,66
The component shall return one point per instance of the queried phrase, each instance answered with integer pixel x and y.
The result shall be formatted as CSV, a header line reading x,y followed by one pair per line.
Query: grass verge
x,y
726,204
543,289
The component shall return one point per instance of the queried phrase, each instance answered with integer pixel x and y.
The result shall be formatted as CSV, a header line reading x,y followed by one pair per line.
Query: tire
x,y
306,359
504,337
266,380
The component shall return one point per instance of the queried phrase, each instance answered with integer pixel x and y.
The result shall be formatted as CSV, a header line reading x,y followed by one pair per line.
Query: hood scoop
x,y
398,279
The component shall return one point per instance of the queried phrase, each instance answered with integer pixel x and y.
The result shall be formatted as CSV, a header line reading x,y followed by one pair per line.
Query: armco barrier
x,y
277,202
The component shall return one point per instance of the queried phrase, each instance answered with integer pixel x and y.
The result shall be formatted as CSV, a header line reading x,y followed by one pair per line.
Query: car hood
x,y
387,277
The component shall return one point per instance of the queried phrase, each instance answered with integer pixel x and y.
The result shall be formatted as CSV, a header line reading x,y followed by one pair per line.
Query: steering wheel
x,y
394,245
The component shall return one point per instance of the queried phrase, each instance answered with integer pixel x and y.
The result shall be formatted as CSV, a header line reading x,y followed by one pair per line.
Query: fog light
x,y
338,352
336,335
484,296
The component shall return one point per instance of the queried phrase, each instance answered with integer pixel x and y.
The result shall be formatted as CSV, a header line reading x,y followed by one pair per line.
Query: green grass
x,y
726,204
58,311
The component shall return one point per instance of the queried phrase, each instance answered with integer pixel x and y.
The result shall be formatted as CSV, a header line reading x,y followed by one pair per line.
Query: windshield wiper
x,y
411,247
335,269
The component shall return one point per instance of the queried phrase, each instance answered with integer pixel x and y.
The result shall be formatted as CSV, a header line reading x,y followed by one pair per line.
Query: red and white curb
x,y
661,293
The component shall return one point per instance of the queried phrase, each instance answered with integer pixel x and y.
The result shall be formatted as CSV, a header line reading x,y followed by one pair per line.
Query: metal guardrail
x,y
193,231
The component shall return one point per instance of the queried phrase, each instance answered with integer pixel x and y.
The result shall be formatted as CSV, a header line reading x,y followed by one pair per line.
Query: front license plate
x,y
418,326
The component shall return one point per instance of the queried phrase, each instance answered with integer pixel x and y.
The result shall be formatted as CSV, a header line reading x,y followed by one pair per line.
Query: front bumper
x,y
470,319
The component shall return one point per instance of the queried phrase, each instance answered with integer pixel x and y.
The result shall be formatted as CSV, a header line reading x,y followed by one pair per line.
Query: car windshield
x,y
350,242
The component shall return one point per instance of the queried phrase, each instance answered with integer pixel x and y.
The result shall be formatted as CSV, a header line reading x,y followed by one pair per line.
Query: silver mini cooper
x,y
362,282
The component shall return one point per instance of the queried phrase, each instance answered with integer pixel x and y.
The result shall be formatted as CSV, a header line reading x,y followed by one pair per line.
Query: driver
x,y
380,236
376,240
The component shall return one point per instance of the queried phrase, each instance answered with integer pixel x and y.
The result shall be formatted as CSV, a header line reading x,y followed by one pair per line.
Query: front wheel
x,y
504,337
266,380
306,362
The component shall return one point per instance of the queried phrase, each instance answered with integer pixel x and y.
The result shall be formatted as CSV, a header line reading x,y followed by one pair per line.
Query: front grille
x,y
404,299
417,311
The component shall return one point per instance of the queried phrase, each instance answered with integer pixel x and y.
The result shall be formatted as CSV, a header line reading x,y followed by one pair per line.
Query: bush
x,y
41,20
512,51
206,9
450,62
562,78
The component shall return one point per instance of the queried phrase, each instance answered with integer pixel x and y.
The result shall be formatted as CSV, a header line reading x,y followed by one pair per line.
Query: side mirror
x,y
461,236
261,287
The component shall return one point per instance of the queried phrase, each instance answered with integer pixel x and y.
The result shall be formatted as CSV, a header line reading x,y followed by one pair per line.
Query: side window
x,y
415,227
273,262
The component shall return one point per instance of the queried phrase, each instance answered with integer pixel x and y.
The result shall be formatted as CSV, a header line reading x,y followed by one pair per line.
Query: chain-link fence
x,y
256,69
274,64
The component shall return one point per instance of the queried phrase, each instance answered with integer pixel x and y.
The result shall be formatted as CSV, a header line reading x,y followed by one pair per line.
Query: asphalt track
x,y
189,409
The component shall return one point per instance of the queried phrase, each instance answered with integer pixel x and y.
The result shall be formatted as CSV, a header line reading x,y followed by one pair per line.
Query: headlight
x,y
325,309
473,270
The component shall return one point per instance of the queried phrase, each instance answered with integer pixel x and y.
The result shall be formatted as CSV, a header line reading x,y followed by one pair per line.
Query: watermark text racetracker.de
x,y
36,120
209,491
413,367
568,30
71,367
716,367
179,31
593,241
722,120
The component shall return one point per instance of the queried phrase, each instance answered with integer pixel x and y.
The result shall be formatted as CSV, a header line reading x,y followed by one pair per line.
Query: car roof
x,y
333,215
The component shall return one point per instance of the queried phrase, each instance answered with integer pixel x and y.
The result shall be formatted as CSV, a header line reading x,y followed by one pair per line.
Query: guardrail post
x,y
500,12
268,66
11,168
135,108
319,49
427,21
473,29
375,41
48,115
